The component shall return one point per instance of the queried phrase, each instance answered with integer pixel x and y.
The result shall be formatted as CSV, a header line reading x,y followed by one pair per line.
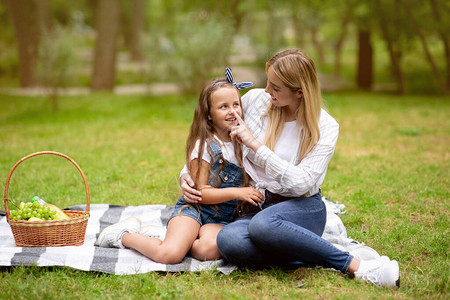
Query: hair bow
x,y
238,85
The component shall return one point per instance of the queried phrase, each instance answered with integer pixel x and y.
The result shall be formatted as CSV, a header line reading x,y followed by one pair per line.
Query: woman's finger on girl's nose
x,y
240,121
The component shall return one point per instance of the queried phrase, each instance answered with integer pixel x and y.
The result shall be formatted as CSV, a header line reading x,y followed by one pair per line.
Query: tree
x,y
106,19
363,19
26,22
425,46
443,29
346,17
391,33
364,76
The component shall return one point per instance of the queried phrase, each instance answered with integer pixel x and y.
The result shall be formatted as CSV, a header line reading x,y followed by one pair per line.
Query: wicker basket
x,y
50,233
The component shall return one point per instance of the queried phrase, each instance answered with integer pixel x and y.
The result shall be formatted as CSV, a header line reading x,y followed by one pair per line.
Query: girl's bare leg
x,y
182,231
205,247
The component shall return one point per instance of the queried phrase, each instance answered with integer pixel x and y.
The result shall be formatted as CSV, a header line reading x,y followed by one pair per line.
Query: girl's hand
x,y
190,194
251,195
243,135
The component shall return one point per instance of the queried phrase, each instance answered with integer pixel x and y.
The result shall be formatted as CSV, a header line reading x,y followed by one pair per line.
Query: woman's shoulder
x,y
257,93
326,120
255,98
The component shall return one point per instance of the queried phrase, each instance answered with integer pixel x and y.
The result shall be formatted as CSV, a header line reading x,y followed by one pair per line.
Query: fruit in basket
x,y
60,215
30,211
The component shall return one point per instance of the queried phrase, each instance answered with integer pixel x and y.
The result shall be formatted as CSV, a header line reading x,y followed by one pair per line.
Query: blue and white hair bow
x,y
238,85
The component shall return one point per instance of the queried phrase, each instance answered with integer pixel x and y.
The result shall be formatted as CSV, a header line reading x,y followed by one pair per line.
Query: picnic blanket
x,y
89,257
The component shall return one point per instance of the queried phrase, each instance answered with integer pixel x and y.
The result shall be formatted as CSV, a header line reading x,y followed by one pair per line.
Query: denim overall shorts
x,y
221,213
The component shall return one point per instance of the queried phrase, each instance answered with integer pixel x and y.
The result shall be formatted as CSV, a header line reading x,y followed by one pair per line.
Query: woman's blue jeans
x,y
286,234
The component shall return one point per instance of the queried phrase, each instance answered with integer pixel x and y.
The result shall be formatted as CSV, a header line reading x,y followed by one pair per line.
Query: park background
x,y
113,84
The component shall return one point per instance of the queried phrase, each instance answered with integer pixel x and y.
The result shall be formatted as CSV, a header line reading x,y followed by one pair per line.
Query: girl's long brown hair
x,y
202,130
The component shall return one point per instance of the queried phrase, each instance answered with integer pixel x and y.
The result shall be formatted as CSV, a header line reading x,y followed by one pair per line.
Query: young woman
x,y
216,164
288,141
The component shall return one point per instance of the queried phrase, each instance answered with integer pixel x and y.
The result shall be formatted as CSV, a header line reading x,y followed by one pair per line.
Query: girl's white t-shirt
x,y
286,148
227,152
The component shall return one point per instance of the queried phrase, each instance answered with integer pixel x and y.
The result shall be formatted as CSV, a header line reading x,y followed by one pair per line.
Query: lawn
x,y
390,169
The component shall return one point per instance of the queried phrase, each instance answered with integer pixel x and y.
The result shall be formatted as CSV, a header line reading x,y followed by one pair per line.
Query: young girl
x,y
216,164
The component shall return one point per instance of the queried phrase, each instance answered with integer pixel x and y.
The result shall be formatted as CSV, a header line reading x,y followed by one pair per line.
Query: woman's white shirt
x,y
283,148
278,171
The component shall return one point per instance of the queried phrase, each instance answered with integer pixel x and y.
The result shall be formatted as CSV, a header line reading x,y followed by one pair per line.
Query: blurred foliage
x,y
200,47
187,42
56,53
9,62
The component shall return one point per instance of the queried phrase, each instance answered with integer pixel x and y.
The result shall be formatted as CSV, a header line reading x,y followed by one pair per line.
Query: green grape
x,y
27,210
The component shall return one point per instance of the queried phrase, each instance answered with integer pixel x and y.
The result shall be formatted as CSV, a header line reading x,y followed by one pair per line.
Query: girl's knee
x,y
170,257
205,251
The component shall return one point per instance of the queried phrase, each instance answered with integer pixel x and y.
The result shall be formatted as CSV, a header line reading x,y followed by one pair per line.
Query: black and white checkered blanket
x,y
88,257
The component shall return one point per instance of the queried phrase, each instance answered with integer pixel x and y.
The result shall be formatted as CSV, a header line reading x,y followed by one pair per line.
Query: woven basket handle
x,y
41,153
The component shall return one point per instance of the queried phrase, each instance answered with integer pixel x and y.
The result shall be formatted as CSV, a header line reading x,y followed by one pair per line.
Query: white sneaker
x,y
155,231
381,272
365,253
111,236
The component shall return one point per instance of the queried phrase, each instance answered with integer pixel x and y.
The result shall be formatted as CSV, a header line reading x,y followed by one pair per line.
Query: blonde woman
x,y
288,141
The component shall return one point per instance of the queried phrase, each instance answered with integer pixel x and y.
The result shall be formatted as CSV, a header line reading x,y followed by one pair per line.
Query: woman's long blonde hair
x,y
297,71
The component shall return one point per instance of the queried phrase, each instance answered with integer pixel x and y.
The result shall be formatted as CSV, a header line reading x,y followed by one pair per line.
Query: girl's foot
x,y
111,236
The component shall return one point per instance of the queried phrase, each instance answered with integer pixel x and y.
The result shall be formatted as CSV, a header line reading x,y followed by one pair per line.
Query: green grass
x,y
390,169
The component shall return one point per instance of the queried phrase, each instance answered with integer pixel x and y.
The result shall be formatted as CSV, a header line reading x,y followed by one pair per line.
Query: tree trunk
x,y
418,31
107,20
365,60
393,49
444,37
25,20
93,5
340,41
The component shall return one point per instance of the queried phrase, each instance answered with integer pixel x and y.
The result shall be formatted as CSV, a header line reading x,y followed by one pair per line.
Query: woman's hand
x,y
190,194
242,134
251,195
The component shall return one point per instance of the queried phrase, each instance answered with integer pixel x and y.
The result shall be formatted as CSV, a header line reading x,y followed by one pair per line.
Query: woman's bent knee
x,y
224,242
260,226
232,242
